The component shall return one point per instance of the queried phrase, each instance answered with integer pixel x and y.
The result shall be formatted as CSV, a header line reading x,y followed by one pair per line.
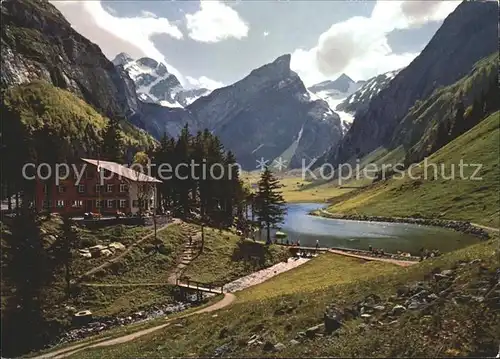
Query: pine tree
x,y
112,146
27,269
182,179
269,203
63,250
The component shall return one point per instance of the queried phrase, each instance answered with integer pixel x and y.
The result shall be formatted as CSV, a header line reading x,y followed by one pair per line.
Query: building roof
x,y
121,171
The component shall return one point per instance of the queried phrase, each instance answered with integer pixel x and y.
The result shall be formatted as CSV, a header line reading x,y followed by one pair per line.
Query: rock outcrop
x,y
39,43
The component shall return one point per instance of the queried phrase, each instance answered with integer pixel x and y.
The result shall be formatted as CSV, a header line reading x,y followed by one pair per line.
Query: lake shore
x,y
459,226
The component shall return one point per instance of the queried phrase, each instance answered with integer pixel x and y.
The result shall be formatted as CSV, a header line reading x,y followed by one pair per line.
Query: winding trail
x,y
374,259
226,301
104,342
486,228
126,251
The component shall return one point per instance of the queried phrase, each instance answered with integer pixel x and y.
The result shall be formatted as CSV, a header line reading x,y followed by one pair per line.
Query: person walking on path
x,y
317,245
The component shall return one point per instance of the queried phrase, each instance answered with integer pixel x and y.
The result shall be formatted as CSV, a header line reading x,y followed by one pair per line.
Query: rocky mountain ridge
x,y
154,84
267,114
359,100
467,35
39,43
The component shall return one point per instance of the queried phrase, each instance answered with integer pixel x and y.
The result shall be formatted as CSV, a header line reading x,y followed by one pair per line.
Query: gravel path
x,y
263,275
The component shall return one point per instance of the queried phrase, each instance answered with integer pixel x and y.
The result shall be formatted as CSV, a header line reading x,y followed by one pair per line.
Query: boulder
x,y
432,296
82,317
279,347
300,335
332,319
447,272
414,305
311,332
268,346
398,310
106,253
117,246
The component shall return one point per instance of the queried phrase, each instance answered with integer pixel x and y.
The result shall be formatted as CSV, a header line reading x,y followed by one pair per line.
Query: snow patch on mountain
x,y
155,84
358,101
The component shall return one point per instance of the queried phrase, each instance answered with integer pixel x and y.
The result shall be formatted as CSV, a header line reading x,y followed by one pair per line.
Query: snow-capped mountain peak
x,y
155,84
358,101
334,92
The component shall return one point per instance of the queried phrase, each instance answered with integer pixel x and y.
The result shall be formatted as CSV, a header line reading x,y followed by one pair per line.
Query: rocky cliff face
x,y
358,101
466,36
267,114
38,43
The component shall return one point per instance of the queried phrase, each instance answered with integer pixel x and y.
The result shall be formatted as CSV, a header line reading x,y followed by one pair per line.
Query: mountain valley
x,y
302,215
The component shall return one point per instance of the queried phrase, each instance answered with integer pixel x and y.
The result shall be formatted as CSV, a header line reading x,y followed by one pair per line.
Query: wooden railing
x,y
187,283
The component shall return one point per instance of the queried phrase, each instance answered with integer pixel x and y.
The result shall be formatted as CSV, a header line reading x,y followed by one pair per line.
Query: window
x,y
123,203
109,188
77,204
123,187
81,188
110,203
97,188
135,203
61,189
47,203
98,204
60,203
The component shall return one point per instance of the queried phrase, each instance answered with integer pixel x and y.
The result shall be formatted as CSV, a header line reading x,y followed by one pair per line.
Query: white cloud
x,y
204,82
359,45
214,22
119,34
265,34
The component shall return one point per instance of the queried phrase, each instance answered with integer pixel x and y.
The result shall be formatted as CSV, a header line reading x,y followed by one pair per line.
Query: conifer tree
x,y
27,269
269,203
63,250
112,145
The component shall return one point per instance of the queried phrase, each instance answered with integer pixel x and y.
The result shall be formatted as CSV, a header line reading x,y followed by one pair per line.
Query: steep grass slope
x,y
475,200
69,121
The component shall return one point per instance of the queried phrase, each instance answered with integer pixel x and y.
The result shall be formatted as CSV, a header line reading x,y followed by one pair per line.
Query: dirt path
x,y
491,229
127,251
68,351
187,256
368,258
263,274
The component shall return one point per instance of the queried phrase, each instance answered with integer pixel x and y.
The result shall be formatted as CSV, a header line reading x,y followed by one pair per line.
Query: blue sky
x,y
214,43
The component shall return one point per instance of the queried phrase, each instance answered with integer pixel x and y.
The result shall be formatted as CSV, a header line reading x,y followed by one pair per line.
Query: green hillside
x,y
279,317
419,132
460,199
43,109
